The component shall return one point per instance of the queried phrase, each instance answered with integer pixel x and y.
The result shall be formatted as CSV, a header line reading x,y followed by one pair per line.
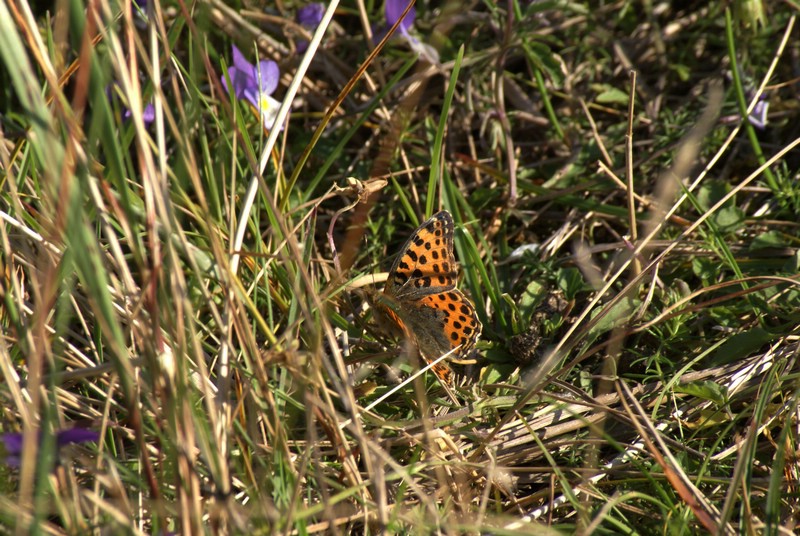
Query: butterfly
x,y
421,299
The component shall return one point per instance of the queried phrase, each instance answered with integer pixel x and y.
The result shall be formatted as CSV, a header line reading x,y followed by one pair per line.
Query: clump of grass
x,y
193,290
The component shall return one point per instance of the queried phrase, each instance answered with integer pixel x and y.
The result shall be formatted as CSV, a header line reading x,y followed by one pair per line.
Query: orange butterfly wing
x,y
423,299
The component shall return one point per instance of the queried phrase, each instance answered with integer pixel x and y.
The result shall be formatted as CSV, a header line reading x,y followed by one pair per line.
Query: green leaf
x,y
495,373
770,239
729,219
705,269
683,71
706,390
617,315
741,345
530,298
543,58
710,193
570,281
613,96
792,264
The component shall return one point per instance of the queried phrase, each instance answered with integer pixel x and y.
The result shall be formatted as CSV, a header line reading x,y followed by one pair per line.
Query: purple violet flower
x,y
309,18
13,442
311,15
393,10
758,117
255,84
148,114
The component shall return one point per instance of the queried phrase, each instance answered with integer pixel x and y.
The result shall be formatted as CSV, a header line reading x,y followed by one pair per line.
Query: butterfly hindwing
x,y
448,321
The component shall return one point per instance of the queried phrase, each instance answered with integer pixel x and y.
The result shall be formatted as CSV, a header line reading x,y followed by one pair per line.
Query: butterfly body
x,y
421,298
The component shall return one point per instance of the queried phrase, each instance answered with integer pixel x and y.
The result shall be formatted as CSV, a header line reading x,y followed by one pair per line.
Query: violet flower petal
x,y
309,18
76,435
393,9
12,442
758,117
255,84
148,114
245,78
311,15
240,79
239,61
269,74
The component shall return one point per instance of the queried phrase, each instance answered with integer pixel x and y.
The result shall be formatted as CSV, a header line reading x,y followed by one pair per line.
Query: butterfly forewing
x,y
426,264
